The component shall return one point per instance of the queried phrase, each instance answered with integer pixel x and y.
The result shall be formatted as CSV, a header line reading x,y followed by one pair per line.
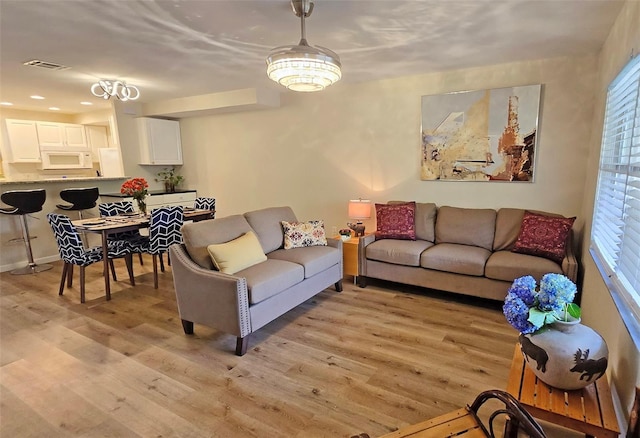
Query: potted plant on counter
x,y
170,179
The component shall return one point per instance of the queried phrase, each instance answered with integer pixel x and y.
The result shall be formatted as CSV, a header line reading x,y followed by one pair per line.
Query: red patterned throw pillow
x,y
543,236
396,221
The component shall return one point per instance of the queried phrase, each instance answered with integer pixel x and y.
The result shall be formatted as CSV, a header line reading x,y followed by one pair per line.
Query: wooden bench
x,y
588,410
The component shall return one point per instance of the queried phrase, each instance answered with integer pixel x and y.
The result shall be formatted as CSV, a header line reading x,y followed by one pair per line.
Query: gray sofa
x,y
241,303
460,250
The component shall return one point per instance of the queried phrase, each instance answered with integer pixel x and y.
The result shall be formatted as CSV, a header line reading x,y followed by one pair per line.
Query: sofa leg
x,y
187,326
241,345
338,286
362,281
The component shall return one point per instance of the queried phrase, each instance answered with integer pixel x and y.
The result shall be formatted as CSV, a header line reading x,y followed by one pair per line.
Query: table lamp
x,y
359,209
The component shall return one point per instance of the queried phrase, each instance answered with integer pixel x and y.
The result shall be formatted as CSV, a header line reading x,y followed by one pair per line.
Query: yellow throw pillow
x,y
237,254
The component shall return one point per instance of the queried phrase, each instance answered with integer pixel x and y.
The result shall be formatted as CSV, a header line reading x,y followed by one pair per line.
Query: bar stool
x,y
25,202
79,199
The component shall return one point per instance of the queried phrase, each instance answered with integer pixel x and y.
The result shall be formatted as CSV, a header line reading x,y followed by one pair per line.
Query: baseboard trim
x,y
40,261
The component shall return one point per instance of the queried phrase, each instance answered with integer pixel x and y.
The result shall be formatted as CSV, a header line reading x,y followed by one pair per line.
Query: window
x,y
615,235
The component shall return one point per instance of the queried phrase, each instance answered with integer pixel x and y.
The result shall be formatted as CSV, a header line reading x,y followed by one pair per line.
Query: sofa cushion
x,y
396,221
507,266
271,277
237,254
301,234
460,259
425,220
466,226
399,252
266,224
543,236
314,259
508,221
198,235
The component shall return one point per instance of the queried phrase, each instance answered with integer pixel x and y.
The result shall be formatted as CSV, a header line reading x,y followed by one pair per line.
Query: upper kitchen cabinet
x,y
22,141
65,136
159,141
97,138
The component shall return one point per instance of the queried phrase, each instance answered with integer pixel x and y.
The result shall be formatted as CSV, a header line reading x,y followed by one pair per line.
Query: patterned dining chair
x,y
164,230
73,252
117,209
203,203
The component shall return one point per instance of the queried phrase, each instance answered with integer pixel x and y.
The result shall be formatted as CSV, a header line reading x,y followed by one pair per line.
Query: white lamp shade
x,y
359,209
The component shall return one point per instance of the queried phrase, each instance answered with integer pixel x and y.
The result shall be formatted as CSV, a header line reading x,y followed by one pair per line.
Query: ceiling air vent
x,y
45,64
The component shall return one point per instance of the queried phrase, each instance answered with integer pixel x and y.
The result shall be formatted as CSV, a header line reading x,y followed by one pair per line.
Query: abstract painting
x,y
484,135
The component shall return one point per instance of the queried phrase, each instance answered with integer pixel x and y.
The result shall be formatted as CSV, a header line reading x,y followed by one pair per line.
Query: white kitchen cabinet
x,y
62,136
160,142
97,139
22,141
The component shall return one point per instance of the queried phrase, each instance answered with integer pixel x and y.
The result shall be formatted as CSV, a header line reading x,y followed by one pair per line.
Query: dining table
x,y
126,222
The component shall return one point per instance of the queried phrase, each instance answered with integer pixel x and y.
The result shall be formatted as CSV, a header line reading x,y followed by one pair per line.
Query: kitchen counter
x,y
60,179
150,193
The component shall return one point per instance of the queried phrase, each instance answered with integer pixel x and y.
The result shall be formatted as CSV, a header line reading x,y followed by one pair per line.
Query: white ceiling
x,y
179,48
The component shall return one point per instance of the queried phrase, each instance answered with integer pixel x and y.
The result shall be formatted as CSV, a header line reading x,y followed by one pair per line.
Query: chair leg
x,y
140,257
338,286
161,263
155,271
64,277
128,260
82,296
113,270
169,259
70,276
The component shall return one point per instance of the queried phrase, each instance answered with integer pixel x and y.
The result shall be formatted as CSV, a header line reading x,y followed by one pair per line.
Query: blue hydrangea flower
x,y
525,289
556,291
517,313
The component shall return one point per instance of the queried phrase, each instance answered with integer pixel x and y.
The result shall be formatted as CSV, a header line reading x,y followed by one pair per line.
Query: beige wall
x,y
599,311
320,150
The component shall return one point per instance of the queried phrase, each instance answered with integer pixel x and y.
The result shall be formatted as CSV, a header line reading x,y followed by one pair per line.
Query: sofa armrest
x,y
337,243
570,262
362,252
210,297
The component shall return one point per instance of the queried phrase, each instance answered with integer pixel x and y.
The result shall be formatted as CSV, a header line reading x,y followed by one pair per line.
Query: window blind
x,y
615,234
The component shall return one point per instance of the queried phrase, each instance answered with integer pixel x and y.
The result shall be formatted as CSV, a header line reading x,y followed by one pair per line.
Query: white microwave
x,y
66,160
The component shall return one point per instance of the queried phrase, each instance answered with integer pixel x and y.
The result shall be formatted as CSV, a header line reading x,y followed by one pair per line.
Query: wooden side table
x,y
350,256
588,410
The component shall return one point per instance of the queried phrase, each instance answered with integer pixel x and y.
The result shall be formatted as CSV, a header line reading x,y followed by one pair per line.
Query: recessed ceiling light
x,y
54,108
6,103
35,96
85,103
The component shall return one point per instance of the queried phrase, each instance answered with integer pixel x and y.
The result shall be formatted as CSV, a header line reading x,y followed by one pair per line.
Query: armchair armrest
x,y
210,297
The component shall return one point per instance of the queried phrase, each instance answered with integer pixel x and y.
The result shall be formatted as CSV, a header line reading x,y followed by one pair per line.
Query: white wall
x,y
599,311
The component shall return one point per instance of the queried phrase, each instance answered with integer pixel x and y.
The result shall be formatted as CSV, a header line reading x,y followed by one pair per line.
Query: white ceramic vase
x,y
566,355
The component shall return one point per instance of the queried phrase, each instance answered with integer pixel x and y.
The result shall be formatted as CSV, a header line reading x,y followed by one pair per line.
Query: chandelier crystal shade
x,y
303,67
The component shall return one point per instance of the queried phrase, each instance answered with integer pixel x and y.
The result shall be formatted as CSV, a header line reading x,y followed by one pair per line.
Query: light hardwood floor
x,y
364,360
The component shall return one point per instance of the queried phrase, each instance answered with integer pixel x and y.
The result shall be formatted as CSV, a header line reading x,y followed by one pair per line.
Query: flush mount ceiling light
x,y
107,89
303,67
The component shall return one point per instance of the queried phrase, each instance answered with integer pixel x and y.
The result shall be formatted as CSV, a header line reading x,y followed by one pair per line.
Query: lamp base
x,y
358,228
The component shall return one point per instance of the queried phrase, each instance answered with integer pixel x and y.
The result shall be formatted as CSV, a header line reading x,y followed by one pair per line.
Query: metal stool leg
x,y
31,268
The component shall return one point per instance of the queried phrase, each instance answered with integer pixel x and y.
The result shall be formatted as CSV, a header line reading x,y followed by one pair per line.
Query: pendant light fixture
x,y
303,67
